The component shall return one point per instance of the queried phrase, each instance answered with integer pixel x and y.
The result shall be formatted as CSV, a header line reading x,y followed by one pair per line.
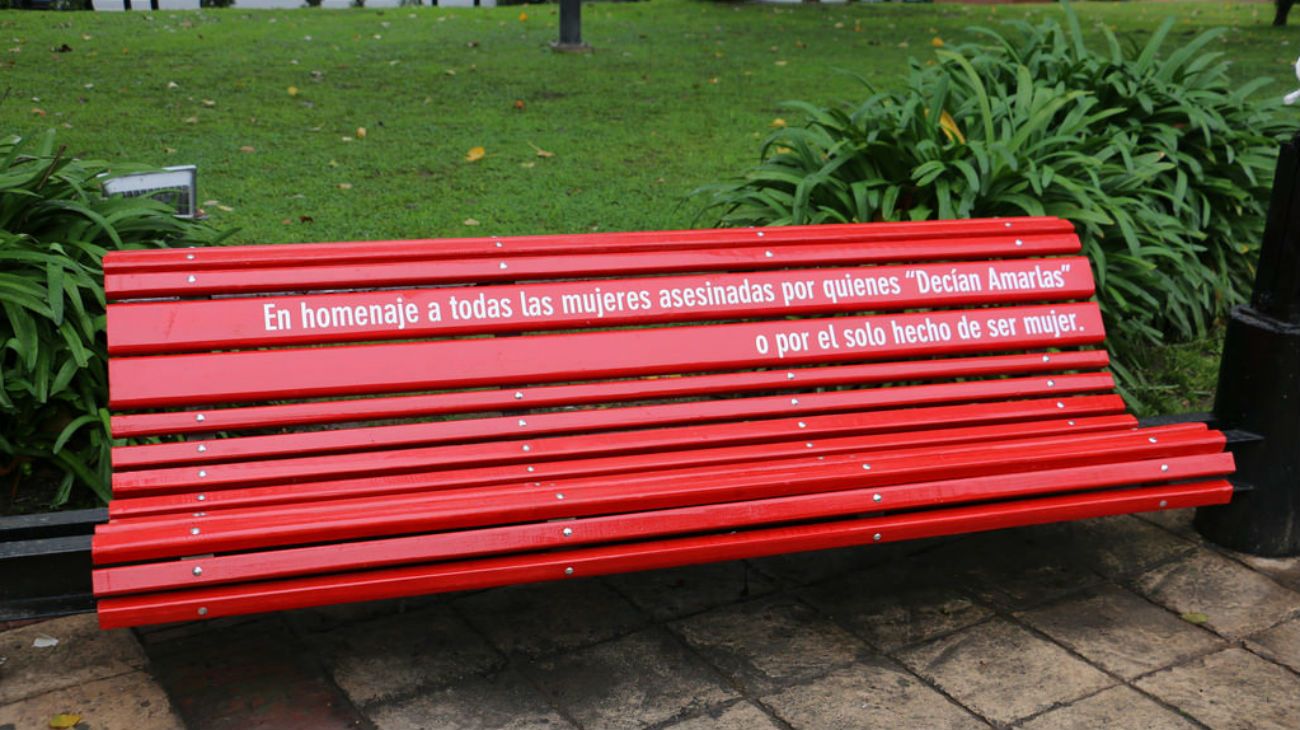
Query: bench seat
x,y
320,423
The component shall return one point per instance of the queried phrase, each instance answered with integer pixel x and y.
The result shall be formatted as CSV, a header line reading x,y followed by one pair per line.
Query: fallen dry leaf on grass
x,y
519,104
361,132
209,103
778,123
345,186
293,91
247,149
474,155
471,222
541,152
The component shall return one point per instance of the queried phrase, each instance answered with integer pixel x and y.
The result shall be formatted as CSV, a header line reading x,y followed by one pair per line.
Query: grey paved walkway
x,y
1122,622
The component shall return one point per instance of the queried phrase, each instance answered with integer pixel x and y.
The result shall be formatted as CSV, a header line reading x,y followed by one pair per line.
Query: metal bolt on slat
x,y
876,498
194,530
531,470
568,570
1152,439
198,570
876,537
794,401
866,467
189,257
1164,503
527,447
503,265
1072,423
203,610
522,422
191,279
1164,467
1051,383
789,376
1059,404
202,473
1019,242
1046,358
808,444
760,234
202,497
202,448
568,532
200,417
768,254
559,495
518,395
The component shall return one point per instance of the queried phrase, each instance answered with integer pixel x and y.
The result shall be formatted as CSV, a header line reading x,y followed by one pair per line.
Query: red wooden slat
x,y
298,414
666,455
578,265
584,531
414,434
231,530
354,252
248,473
353,370
265,596
154,327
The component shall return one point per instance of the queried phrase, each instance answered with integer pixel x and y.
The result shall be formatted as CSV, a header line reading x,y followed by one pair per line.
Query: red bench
x,y
323,423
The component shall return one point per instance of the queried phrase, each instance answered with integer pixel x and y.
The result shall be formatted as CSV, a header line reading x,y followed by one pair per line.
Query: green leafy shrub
x,y
1161,161
55,227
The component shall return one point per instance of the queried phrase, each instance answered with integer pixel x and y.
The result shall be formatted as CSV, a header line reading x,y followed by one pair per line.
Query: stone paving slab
x,y
769,643
643,679
542,619
738,716
1059,626
1117,707
1280,644
1234,600
1121,632
504,701
678,592
399,654
869,694
131,701
1231,690
896,605
83,653
1004,672
253,675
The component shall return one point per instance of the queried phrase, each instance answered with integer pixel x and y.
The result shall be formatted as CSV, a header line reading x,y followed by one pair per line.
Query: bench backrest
x,y
989,319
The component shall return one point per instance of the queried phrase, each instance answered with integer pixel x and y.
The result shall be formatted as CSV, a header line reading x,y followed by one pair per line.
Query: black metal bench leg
x,y
1259,386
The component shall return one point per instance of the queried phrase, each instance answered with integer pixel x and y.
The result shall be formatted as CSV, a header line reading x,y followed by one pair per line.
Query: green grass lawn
x,y
678,93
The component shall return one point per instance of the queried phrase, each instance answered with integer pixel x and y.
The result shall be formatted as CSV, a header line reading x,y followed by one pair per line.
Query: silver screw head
x,y
202,497
1164,503
202,473
202,448
803,425
1151,439
794,401
194,530
200,417
568,532
527,447
568,570
519,395
876,537
503,265
559,495
866,467
197,570
876,498
203,610
191,278
531,470
1164,467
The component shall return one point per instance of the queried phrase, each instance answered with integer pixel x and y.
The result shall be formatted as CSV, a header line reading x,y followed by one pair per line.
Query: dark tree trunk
x,y
1283,9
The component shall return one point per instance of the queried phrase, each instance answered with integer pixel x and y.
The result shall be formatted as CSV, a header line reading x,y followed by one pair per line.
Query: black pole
x,y
1259,386
571,27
